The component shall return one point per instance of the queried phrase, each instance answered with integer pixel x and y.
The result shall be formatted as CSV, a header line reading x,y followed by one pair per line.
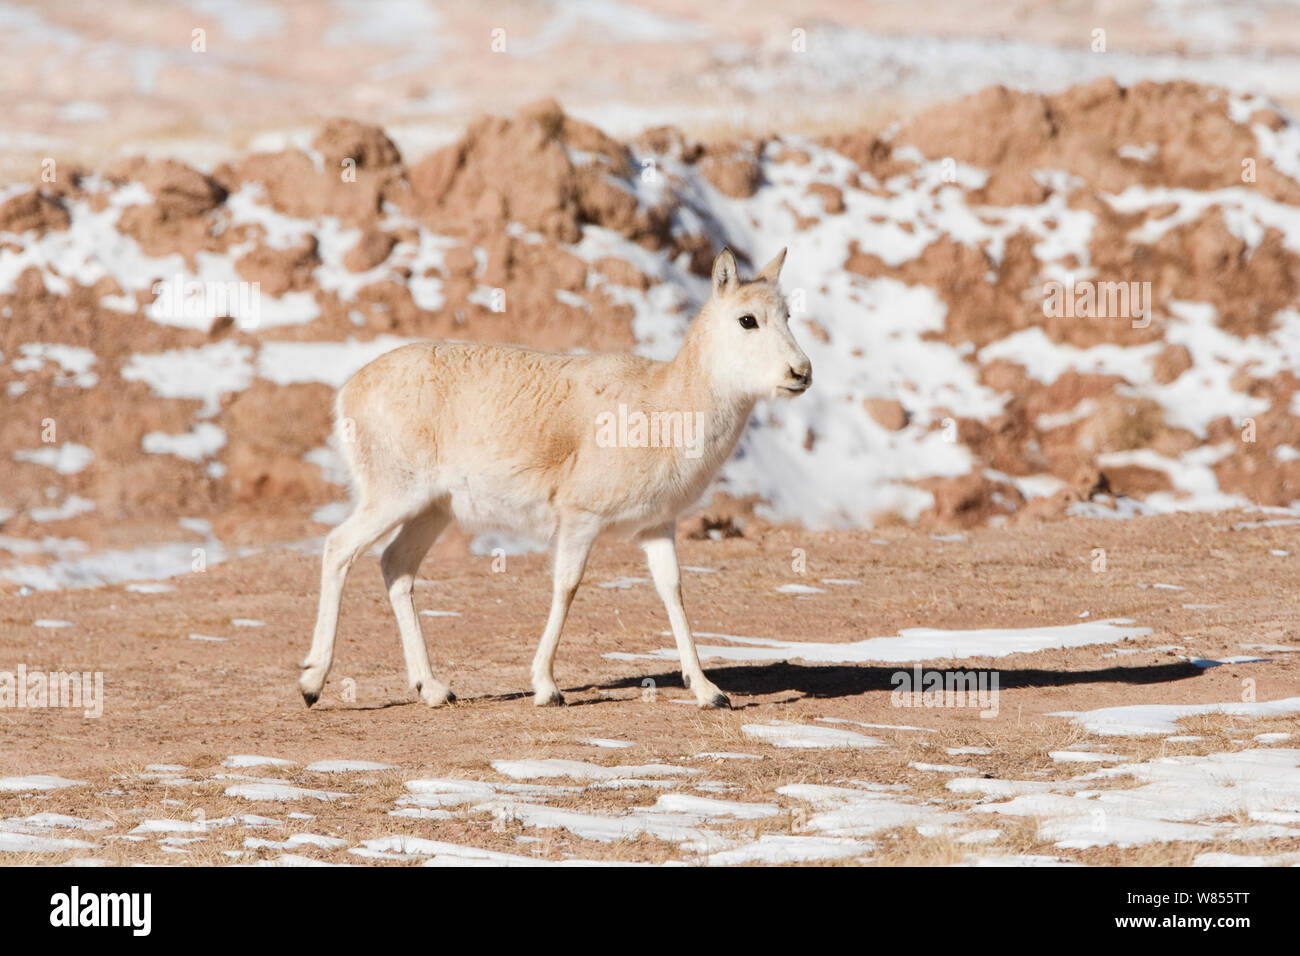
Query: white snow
x,y
333,363
206,373
779,848
109,567
36,843
1015,859
580,770
37,782
280,791
68,458
715,809
240,761
911,644
72,506
1206,662
850,812
1082,756
202,441
42,822
807,736
1242,859
621,584
74,363
291,859
1180,798
676,818
295,842
347,766
995,787
939,767
439,853
1146,719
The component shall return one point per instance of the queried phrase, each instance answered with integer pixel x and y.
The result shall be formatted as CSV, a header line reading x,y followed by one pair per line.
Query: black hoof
x,y
555,700
310,698
719,701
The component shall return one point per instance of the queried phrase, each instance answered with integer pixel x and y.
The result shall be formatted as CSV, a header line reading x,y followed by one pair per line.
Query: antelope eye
x,y
748,322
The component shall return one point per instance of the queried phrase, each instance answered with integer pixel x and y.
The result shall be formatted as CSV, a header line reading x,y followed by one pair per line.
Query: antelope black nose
x,y
802,374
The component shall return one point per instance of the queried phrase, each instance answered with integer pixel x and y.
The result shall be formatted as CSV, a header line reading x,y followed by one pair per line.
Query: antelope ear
x,y
725,276
772,271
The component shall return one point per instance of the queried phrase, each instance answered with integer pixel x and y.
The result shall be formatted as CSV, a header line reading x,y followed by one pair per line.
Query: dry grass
x,y
1007,578
365,813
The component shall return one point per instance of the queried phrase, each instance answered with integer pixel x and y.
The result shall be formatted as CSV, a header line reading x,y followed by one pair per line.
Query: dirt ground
x,y
175,707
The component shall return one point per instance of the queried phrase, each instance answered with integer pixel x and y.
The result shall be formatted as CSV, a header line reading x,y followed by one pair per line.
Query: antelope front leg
x,y
661,556
361,529
573,544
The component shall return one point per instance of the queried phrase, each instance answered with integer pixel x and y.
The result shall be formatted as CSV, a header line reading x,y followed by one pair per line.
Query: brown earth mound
x,y
513,195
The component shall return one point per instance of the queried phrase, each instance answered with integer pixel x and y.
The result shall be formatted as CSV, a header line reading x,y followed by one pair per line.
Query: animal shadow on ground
x,y
849,680
832,680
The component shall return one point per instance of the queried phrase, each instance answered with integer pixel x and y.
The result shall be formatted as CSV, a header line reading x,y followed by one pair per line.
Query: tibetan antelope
x,y
506,438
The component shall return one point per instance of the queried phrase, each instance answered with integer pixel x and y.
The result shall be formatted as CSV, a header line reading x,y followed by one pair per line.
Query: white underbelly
x,y
477,506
